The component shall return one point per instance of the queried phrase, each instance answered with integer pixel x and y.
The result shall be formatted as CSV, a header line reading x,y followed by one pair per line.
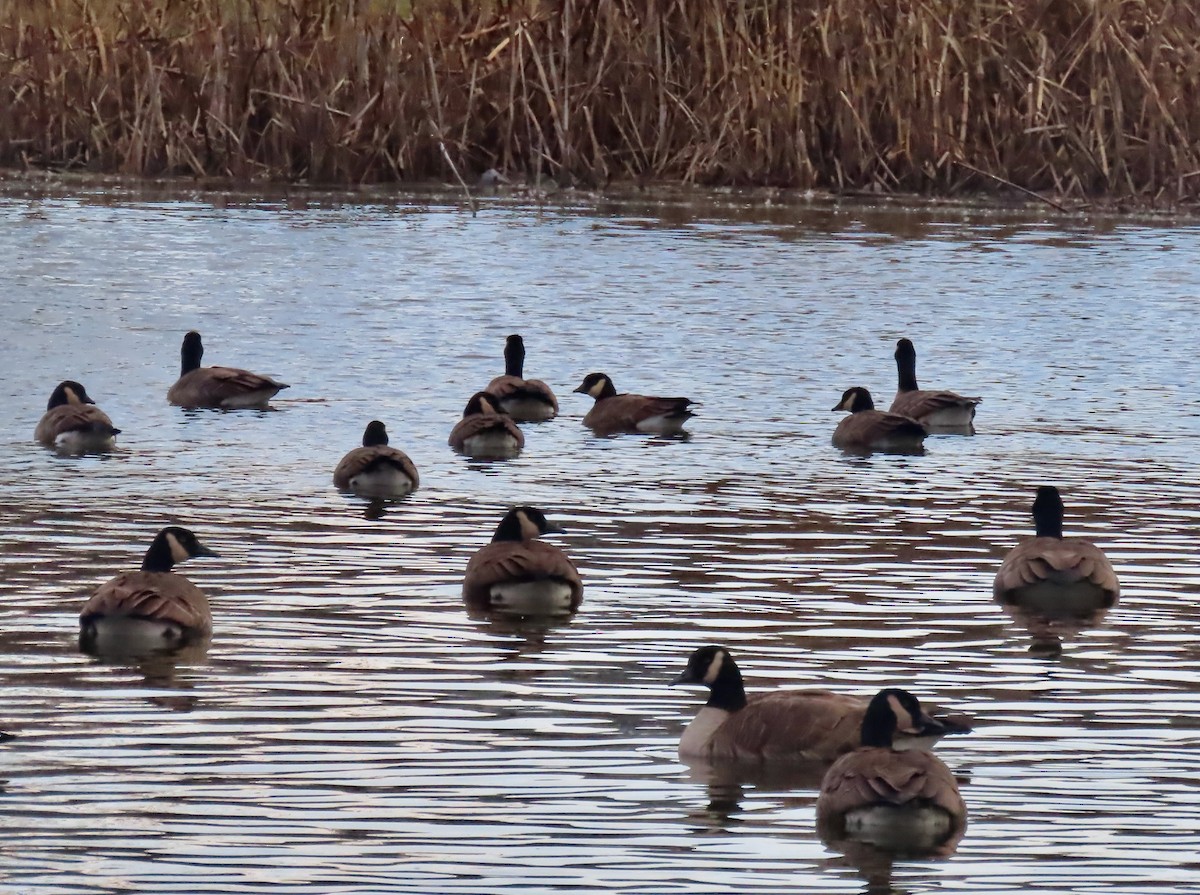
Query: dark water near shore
x,y
352,729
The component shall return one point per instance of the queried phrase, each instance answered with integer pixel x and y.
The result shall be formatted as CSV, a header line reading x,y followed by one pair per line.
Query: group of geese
x,y
883,774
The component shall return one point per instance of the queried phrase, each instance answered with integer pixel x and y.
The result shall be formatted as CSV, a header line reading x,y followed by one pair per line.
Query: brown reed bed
x,y
1078,98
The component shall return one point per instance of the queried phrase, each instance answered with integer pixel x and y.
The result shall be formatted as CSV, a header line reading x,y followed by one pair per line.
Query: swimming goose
x,y
484,431
797,725
895,797
226,387
375,469
520,574
73,422
932,409
868,429
153,605
525,400
613,413
1052,575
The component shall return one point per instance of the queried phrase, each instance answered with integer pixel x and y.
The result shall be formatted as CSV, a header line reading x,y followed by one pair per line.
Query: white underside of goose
x,y
249,399
899,828
1061,599
382,481
545,597
950,418
491,444
119,635
80,442
527,410
662,425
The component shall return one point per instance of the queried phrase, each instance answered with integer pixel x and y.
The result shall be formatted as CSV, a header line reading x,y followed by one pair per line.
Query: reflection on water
x,y
353,728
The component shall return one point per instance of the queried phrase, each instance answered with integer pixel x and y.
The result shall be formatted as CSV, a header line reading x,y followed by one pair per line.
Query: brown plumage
x,y
225,387
879,785
519,573
485,432
162,596
376,468
154,593
932,409
878,775
72,420
614,413
795,725
868,429
525,400
1054,575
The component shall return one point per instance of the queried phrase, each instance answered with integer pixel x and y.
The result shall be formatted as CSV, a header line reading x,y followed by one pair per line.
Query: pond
x,y
351,727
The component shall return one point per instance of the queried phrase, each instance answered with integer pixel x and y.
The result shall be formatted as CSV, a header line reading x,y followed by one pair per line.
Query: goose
x,y
153,606
893,797
73,422
613,413
868,429
224,387
1052,575
932,409
525,400
484,431
797,725
375,469
520,574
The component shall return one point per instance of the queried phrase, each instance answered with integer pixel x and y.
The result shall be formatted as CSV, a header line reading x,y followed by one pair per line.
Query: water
x,y
351,728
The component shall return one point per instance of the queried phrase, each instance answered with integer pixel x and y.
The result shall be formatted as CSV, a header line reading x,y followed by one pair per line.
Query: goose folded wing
x,y
792,724
125,597
922,403
506,561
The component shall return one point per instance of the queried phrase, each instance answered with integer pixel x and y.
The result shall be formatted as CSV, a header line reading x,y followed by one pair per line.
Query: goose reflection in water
x,y
1048,633
728,783
161,669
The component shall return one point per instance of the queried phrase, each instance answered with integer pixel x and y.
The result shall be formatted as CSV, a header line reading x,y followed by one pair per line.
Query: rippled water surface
x,y
351,728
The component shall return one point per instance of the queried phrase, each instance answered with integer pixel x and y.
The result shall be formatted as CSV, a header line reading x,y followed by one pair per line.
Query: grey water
x,y
352,728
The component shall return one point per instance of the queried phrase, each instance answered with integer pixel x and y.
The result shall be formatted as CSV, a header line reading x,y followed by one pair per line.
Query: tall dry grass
x,y
1074,97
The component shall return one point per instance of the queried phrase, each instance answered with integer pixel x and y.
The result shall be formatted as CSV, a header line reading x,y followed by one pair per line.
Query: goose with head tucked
x,y
614,412
787,725
867,429
933,409
520,574
897,798
72,421
376,469
1053,576
525,400
222,387
484,432
153,606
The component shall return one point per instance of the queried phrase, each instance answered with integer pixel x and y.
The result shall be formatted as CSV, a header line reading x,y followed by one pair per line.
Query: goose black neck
x,y
191,353
514,357
906,366
509,529
63,394
1048,513
375,435
727,691
862,401
158,558
879,725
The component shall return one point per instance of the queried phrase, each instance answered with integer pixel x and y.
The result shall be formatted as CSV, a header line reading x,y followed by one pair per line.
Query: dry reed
x,y
1079,98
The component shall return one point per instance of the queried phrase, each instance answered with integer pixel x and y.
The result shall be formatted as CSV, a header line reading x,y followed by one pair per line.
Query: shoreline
x,y
665,194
